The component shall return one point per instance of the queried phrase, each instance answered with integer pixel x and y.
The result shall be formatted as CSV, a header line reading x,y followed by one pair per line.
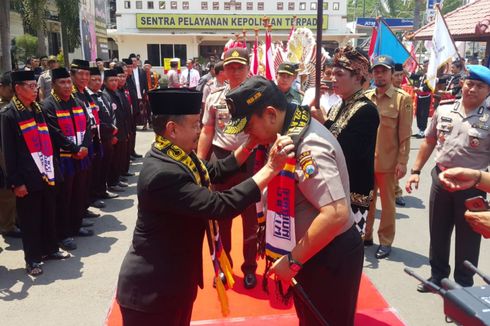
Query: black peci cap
x,y
127,61
110,73
80,64
175,101
22,75
94,71
59,73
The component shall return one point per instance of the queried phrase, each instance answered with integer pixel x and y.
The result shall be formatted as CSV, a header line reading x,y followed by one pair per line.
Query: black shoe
x,y
98,204
368,243
90,214
128,174
109,195
249,281
58,255
135,155
68,244
123,179
86,223
14,233
85,232
122,184
382,252
422,288
400,201
116,188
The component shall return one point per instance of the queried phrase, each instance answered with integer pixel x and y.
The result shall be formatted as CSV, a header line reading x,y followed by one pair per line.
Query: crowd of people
x,y
223,138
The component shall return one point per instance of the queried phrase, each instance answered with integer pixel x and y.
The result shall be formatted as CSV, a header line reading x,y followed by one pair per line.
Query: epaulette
x,y
219,89
447,101
401,91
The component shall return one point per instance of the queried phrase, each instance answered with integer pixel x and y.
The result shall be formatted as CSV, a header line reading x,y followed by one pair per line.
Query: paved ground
x,y
78,291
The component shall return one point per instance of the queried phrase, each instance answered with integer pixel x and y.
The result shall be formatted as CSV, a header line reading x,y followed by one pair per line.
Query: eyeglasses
x,y
30,85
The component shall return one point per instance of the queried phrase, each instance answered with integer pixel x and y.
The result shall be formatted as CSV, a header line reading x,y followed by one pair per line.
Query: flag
x,y
388,44
411,64
254,67
293,28
442,51
374,36
269,57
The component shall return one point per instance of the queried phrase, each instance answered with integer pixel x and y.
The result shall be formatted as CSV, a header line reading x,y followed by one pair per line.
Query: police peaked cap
x,y
480,73
172,101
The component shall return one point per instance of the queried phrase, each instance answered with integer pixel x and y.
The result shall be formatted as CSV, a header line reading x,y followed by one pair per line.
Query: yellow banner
x,y
227,22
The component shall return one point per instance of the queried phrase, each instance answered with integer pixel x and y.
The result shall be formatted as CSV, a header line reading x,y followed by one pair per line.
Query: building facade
x,y
200,29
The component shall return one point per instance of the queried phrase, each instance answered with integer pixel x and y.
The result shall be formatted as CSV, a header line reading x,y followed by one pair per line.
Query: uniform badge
x,y
307,164
114,106
484,117
474,142
446,119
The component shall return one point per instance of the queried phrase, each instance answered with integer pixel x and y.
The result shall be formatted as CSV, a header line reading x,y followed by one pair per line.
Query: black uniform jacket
x,y
20,168
164,262
357,138
106,116
120,113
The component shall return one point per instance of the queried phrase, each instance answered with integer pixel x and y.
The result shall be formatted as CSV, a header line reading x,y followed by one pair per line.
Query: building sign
x,y
391,22
227,22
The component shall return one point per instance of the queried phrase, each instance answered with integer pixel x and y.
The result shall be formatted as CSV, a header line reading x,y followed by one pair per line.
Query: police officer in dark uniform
x,y
460,134
31,171
163,267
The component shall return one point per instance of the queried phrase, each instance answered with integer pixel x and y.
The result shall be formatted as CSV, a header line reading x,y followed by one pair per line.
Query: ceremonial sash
x,y
222,267
38,142
280,237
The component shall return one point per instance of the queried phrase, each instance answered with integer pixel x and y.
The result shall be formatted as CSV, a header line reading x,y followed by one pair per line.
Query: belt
x,y
424,93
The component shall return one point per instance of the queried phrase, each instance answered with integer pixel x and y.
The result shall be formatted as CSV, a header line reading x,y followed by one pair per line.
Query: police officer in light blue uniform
x,y
460,134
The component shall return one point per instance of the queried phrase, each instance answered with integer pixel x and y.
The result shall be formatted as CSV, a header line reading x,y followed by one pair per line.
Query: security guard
x,y
163,267
354,122
213,141
460,134
285,77
392,149
320,246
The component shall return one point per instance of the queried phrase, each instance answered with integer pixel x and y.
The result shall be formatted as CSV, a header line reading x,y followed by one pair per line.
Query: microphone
x,y
472,268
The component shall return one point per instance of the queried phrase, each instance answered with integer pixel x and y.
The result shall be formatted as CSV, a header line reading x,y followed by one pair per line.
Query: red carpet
x,y
254,307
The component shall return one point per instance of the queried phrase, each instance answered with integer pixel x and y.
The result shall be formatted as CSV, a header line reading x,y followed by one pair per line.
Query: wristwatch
x,y
294,265
412,171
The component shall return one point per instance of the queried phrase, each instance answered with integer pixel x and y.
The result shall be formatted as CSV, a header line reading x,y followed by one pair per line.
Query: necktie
x,y
188,78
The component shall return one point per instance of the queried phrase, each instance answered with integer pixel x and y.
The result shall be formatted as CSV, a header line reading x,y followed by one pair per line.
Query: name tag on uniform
x,y
446,119
481,126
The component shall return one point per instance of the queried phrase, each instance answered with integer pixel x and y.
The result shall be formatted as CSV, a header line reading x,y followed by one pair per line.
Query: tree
x,y
33,14
68,12
25,46
5,62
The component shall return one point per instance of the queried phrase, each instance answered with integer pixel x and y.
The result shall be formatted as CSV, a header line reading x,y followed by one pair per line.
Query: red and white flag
x,y
254,67
269,57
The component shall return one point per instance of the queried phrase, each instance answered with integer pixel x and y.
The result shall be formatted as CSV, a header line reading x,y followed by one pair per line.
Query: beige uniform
x,y
392,148
216,114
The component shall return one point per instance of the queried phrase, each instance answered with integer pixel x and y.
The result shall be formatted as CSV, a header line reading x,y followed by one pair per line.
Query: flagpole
x,y
318,64
438,8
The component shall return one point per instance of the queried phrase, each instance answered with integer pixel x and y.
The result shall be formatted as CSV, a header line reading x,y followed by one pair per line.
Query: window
x,y
313,5
173,4
290,5
227,6
302,6
336,6
157,52
238,6
250,6
215,5
161,4
260,6
139,4
280,6
127,4
185,5
325,6
149,4
204,5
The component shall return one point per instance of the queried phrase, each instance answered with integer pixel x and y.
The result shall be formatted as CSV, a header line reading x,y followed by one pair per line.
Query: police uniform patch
x,y
307,164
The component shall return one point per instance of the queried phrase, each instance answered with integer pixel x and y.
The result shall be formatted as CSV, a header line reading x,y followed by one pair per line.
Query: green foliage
x,y
25,46
33,13
69,11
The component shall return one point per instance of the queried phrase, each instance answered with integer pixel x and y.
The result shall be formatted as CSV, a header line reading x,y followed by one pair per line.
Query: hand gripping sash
x,y
222,268
36,136
280,217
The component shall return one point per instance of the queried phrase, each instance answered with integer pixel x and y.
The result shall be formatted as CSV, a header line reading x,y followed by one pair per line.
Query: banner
x,y
226,22
388,44
442,50
93,29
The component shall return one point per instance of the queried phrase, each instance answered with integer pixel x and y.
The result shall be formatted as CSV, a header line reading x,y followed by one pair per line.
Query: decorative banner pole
x,y
318,65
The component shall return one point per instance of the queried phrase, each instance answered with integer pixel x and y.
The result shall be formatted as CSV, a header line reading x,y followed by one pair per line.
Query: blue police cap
x,y
480,73
383,60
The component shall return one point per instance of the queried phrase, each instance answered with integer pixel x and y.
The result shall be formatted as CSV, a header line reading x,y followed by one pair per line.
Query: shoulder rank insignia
x,y
307,164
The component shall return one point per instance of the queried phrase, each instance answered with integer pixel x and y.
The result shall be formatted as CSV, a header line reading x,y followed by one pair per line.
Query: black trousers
x,y
249,215
72,203
95,177
36,213
117,162
331,280
169,315
423,107
100,183
446,212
